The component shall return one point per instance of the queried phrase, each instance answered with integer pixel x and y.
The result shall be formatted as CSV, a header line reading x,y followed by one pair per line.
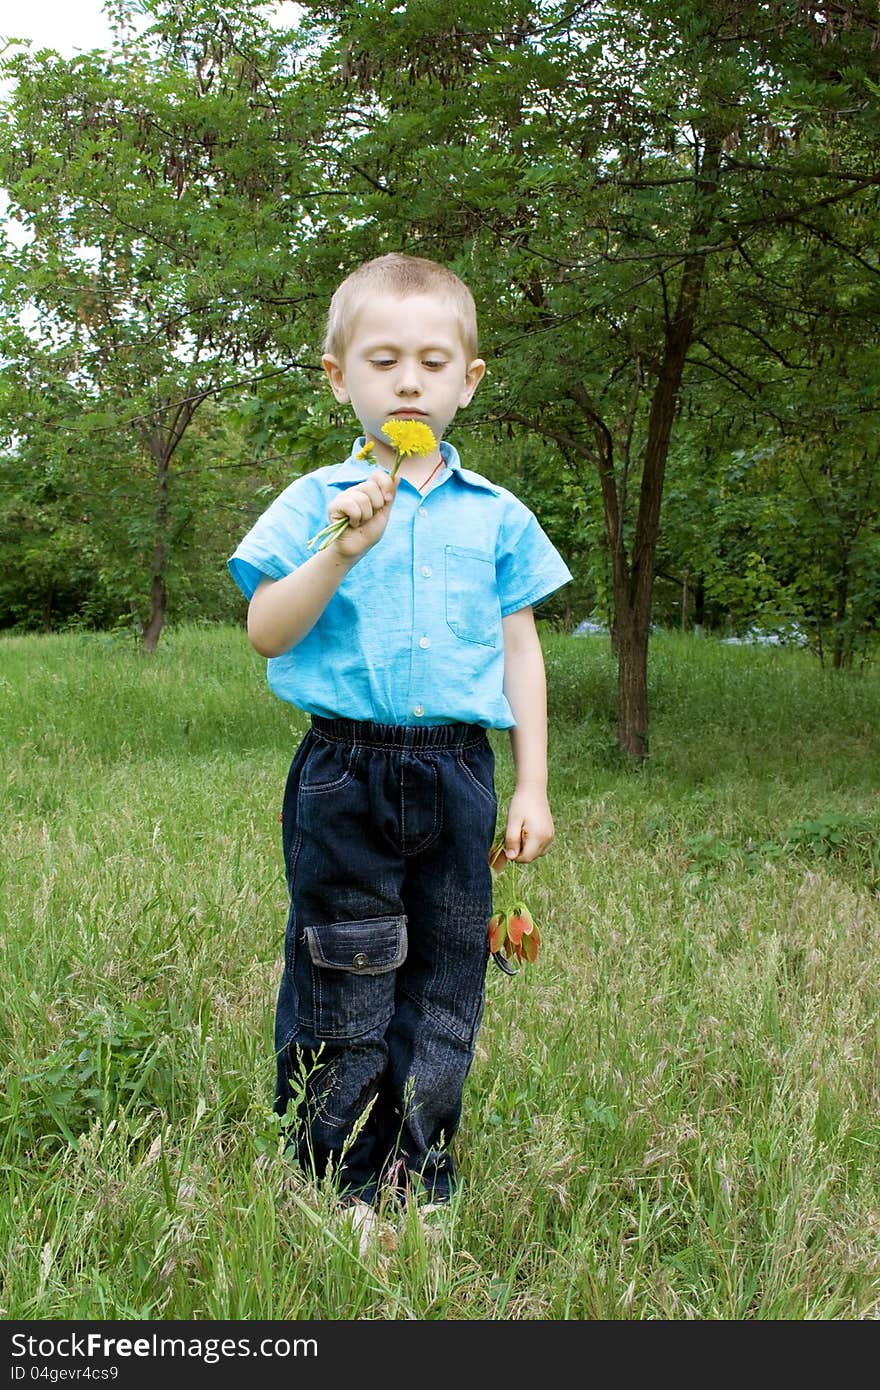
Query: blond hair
x,y
404,276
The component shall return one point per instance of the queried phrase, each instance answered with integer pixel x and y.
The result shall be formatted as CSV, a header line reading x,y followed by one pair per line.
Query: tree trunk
x,y
840,640
632,681
634,619
47,607
699,605
161,442
158,595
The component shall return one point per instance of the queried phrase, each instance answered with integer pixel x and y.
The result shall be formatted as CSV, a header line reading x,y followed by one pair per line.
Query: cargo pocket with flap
x,y
352,975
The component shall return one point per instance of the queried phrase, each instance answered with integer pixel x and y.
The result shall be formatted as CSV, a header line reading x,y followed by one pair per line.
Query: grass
x,y
673,1114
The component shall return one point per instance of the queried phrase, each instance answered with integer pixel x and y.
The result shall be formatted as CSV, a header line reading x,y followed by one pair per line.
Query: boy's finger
x,y
352,506
369,499
513,841
387,485
534,846
380,495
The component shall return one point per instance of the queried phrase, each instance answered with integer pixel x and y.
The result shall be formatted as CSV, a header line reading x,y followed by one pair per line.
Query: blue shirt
x,y
413,634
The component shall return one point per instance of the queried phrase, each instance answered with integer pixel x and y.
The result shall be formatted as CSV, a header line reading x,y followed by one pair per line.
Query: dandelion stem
x,y
408,437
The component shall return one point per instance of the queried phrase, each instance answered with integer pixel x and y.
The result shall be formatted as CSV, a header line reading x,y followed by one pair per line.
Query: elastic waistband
x,y
415,736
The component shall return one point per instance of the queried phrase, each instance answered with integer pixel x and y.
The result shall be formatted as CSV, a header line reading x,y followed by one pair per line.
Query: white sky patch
x,y
68,26
14,231
76,26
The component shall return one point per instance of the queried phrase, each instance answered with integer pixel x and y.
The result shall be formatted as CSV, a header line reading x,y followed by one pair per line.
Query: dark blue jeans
x,y
386,835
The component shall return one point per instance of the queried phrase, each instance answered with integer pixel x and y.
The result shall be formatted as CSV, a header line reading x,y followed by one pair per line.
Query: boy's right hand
x,y
368,507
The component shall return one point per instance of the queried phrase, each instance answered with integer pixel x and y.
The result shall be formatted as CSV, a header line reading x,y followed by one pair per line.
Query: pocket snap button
x,y
360,960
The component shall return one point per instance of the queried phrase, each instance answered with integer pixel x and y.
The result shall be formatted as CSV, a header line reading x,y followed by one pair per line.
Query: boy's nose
x,y
408,382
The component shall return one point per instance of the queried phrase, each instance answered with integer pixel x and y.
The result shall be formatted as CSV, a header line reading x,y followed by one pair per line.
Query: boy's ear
x,y
472,378
336,376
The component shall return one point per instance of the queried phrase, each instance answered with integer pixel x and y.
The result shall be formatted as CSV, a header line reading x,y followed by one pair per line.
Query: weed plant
x,y
673,1114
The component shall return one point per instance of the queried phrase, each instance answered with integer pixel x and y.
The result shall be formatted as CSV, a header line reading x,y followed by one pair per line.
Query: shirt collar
x,y
354,470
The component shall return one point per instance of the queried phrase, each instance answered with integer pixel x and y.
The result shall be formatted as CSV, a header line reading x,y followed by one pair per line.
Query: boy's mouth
x,y
407,413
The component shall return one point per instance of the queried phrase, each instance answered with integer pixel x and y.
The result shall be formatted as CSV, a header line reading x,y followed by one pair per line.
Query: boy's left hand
x,y
529,831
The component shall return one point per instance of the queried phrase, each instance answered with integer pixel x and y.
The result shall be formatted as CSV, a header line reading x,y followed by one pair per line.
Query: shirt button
x,y
424,641
423,511
418,709
360,960
427,571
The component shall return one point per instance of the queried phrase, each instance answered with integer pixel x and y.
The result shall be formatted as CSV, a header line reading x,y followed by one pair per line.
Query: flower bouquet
x,y
408,437
512,929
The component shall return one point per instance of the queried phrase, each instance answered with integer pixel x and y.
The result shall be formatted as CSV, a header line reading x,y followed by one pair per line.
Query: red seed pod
x,y
497,932
497,857
530,945
517,927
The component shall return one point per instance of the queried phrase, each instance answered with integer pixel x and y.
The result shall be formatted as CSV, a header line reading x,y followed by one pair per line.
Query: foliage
x,y
108,1064
147,276
513,931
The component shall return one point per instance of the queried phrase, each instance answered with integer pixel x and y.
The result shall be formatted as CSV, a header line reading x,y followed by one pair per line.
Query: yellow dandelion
x,y
409,437
367,449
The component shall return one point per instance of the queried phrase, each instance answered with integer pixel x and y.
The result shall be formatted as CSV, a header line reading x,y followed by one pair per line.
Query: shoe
x,y
436,1220
371,1231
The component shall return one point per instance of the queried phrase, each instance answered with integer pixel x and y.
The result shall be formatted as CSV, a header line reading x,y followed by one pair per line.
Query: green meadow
x,y
673,1114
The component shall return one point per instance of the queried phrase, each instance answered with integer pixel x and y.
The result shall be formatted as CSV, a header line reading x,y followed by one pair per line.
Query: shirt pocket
x,y
473,611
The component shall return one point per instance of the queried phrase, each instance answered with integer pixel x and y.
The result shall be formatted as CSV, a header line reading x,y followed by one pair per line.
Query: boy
x,y
405,640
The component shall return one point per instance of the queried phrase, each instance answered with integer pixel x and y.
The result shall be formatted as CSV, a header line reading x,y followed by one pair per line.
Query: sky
x,y
65,25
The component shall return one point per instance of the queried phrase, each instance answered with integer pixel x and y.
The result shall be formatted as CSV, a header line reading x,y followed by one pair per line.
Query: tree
x,y
774,502
150,273
631,189
605,175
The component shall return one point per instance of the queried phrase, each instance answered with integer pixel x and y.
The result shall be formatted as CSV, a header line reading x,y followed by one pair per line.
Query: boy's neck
x,y
416,468
421,469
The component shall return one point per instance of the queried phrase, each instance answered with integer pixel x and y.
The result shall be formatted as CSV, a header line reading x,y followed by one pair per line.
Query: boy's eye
x,y
432,364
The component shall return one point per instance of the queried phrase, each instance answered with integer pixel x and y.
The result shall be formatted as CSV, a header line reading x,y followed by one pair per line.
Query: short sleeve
x,y
277,543
528,566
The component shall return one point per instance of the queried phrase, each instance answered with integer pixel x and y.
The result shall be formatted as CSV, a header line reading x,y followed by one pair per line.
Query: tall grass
x,y
673,1114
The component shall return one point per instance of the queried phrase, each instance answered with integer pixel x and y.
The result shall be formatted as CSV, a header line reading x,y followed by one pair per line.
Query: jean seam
x,y
437,817
463,1037
322,788
490,795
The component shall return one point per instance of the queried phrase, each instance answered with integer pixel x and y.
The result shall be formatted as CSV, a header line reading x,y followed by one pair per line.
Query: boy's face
x,y
404,359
